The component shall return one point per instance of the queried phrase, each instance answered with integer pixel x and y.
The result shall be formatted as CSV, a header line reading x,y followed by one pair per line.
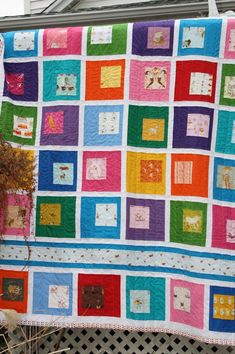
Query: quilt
x,y
133,130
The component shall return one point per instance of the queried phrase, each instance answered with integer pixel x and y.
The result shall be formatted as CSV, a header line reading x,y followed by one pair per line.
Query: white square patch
x,y
106,215
233,133
109,123
182,299
63,173
140,301
230,231
23,127
231,46
193,37
139,217
101,35
198,125
24,40
58,297
229,87
183,172
96,168
200,84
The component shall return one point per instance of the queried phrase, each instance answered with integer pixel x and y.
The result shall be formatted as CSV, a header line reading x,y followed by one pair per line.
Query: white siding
x,y
37,6
86,4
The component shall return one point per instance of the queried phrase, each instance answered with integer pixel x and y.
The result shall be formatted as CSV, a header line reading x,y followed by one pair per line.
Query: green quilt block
x,y
147,126
18,123
55,217
227,92
188,223
107,40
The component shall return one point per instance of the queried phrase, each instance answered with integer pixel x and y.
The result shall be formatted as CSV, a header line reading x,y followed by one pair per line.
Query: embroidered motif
x,y
183,172
58,297
66,85
229,87
50,214
106,215
96,168
12,289
57,38
16,217
223,307
231,46
158,37
54,123
225,177
63,173
153,129
140,301
201,84
139,217
155,78
198,125
230,231
182,299
109,123
92,297
233,133
15,83
24,40
23,127
110,76
151,171
192,220
101,35
193,37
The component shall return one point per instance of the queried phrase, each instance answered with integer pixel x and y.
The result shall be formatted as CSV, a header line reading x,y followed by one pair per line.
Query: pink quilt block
x,y
149,80
62,41
101,171
229,50
223,231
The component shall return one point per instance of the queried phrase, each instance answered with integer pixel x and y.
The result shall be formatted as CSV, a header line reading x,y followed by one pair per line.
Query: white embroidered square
x,y
198,125
63,173
183,172
200,84
231,46
109,123
140,301
101,35
96,168
139,217
106,215
225,177
24,40
23,127
229,87
233,133
58,296
230,231
193,37
182,299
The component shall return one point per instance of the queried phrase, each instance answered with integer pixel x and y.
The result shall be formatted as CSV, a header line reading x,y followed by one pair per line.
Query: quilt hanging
x,y
133,129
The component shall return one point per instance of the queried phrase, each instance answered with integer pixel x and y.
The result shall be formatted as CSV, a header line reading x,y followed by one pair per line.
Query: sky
x,y
11,7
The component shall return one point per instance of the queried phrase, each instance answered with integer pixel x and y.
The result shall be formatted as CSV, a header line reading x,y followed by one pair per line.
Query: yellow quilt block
x,y
223,307
192,220
153,129
146,173
111,76
50,214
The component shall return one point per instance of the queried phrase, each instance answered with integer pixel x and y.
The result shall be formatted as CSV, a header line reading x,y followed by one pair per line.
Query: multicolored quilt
x,y
133,128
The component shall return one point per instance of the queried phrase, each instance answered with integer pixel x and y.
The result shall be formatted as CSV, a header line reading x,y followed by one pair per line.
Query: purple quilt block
x,y
153,38
145,219
193,127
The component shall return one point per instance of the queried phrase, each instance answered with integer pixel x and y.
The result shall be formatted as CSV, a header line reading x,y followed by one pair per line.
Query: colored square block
x,y
107,40
188,223
200,37
145,219
100,217
193,127
146,173
223,233
199,81
105,298
150,80
62,41
101,171
229,50
18,123
54,177
153,38
55,217
147,126
224,180
61,80
52,293
145,298
189,175
105,80
20,44
187,303
14,290
60,125
225,140
222,309
103,125
21,81
227,91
